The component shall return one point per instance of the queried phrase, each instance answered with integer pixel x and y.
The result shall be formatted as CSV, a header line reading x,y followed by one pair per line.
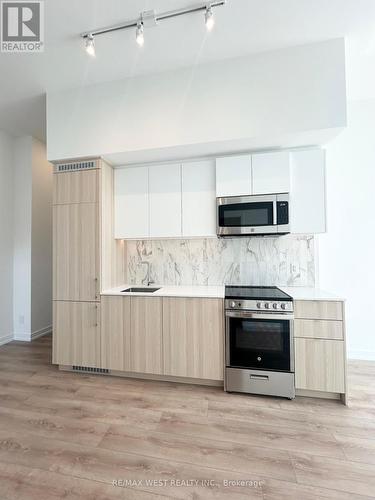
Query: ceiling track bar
x,y
159,17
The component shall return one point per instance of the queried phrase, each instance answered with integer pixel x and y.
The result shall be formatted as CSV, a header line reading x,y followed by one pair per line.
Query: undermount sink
x,y
140,290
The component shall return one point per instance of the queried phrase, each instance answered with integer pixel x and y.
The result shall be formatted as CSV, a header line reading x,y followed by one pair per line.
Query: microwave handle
x,y
275,212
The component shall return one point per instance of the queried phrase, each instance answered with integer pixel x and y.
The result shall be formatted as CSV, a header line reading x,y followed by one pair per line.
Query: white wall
x,y
41,241
346,257
32,258
6,239
241,102
22,210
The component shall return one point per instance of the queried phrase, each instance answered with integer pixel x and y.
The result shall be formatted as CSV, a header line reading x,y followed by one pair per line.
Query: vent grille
x,y
89,369
78,165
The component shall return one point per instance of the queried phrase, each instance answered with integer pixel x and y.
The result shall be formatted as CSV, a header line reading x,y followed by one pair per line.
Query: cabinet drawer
x,y
318,329
318,309
320,365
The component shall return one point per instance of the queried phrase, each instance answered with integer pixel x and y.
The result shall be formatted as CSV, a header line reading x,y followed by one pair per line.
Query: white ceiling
x,y
242,27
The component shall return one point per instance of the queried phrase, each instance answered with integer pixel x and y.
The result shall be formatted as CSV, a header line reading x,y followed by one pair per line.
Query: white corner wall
x,y
6,240
32,254
237,103
346,251
41,241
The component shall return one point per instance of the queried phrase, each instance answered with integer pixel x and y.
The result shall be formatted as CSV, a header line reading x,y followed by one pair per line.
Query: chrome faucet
x,y
146,280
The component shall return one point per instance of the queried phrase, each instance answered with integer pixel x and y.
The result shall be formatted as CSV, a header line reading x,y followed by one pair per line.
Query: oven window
x,y
246,214
259,343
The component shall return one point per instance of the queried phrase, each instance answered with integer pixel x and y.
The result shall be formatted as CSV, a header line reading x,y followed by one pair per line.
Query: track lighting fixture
x,y
149,19
139,34
90,45
209,18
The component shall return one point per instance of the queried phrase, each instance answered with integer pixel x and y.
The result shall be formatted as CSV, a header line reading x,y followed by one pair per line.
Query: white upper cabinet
x,y
308,194
131,203
271,172
165,201
233,176
198,199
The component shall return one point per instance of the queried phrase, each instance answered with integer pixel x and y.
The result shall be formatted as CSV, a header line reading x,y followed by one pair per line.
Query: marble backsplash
x,y
286,260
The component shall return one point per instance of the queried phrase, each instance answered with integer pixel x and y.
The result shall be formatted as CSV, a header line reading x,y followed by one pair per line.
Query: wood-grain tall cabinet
x,y
86,258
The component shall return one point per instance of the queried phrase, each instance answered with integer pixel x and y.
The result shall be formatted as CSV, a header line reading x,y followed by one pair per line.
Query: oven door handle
x,y
255,315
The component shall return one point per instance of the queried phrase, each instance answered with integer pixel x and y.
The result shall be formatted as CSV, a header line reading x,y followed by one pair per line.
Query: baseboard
x,y
26,337
362,355
4,339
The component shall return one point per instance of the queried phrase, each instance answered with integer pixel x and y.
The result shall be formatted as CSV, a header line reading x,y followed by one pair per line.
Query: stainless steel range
x,y
259,344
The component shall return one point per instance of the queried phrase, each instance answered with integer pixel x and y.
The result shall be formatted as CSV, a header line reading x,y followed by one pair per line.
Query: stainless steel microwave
x,y
251,215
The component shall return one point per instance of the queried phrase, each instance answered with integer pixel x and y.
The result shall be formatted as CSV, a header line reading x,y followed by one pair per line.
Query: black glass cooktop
x,y
255,293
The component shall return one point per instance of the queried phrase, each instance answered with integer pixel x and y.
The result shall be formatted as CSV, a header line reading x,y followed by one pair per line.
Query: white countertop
x,y
309,293
172,291
218,292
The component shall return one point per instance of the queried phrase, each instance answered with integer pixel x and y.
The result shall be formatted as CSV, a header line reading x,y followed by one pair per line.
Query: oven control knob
x,y
232,304
259,305
283,306
275,305
266,305
259,358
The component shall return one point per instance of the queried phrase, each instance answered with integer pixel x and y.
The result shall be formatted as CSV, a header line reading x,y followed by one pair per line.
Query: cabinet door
x,y
131,203
75,252
198,199
271,173
165,201
193,338
146,335
233,176
320,365
75,187
115,333
308,192
76,334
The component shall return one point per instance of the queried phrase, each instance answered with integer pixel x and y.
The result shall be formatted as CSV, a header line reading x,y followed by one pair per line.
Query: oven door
x,y
259,341
247,215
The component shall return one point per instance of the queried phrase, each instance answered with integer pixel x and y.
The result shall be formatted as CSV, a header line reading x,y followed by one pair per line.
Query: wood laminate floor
x,y
78,436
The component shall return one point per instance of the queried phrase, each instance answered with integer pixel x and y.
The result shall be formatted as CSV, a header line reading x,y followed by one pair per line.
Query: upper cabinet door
x,y
271,173
233,176
131,203
308,192
198,199
165,201
75,187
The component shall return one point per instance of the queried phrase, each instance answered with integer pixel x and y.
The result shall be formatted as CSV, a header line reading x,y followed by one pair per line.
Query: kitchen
x,y
190,319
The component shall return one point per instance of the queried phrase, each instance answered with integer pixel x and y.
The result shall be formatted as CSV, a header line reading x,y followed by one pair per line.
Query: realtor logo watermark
x,y
22,26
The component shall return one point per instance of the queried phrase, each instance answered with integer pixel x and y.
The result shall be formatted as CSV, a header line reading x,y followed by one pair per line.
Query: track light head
x,y
209,18
90,45
139,34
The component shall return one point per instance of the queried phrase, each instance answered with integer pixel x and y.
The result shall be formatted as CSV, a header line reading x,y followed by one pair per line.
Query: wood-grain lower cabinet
x,y
193,337
115,333
320,365
76,333
319,343
146,335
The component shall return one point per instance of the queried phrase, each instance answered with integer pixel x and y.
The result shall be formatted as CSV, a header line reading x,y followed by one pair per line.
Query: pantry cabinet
x,y
76,251
76,333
